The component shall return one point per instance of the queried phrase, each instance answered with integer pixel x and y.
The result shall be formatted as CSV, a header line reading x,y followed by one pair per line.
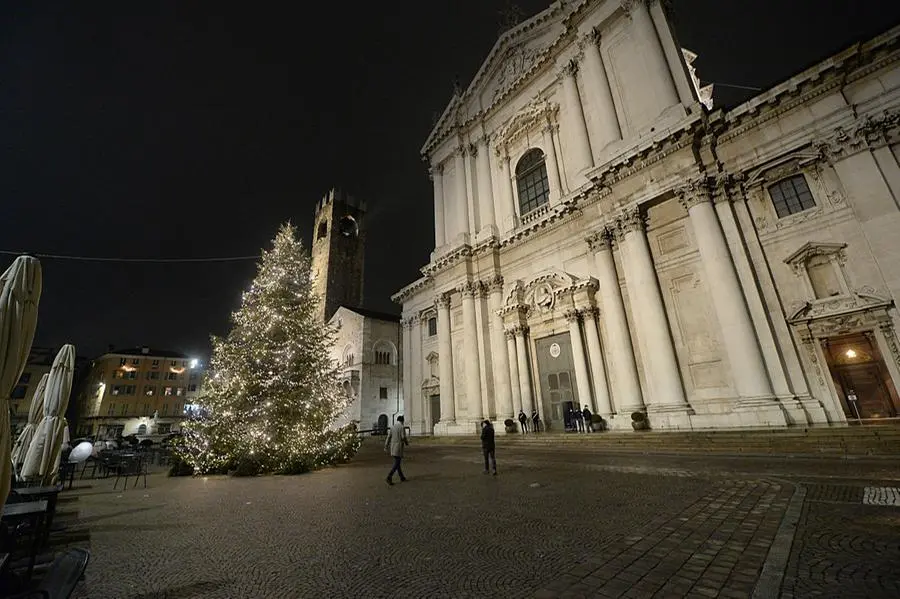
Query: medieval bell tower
x,y
338,249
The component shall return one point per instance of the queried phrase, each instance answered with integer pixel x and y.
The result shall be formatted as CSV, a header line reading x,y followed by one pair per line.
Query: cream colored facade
x,y
40,359
140,391
366,347
603,237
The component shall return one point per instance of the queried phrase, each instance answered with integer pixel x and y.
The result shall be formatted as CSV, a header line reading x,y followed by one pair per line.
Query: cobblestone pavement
x,y
552,524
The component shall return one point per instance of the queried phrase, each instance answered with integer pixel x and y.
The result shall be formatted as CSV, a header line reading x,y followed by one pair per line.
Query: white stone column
x,y
552,163
470,348
625,384
573,120
645,34
485,378
513,361
485,188
598,93
578,356
747,365
407,327
445,357
462,198
503,399
437,177
524,371
415,404
650,320
602,403
511,193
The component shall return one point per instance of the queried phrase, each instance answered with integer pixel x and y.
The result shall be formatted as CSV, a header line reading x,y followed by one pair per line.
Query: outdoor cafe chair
x,y
131,466
61,578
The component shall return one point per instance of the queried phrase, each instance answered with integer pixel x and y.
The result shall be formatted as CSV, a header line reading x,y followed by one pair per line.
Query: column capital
x,y
519,330
567,69
469,289
600,240
509,333
495,284
442,300
572,316
630,220
628,6
693,192
435,170
461,150
590,313
472,149
588,39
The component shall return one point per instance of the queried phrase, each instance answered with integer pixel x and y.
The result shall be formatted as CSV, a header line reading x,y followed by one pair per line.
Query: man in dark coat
x,y
523,422
586,414
487,445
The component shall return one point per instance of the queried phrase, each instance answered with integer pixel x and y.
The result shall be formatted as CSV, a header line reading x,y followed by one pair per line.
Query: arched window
x,y
531,181
322,231
347,358
384,352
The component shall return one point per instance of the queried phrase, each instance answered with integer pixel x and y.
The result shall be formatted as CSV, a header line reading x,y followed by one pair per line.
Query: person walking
x,y
588,423
523,422
396,440
487,445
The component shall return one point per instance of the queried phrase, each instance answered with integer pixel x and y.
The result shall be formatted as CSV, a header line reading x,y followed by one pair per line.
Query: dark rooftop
x,y
373,314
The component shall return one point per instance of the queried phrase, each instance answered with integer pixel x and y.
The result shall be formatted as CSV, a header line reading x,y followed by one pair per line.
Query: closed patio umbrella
x,y
20,292
35,413
48,439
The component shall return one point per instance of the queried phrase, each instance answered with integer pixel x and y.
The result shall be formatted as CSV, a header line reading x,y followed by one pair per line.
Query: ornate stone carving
x,y
495,283
591,313
589,38
628,6
797,261
518,62
469,289
600,240
632,219
520,330
543,297
568,69
572,316
535,114
693,193
509,333
868,132
442,300
890,337
435,169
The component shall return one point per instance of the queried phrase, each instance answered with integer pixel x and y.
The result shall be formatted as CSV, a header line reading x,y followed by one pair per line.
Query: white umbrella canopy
x,y
48,439
20,292
35,413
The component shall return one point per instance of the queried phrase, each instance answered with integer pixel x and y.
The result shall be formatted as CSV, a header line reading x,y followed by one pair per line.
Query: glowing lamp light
x,y
850,353
195,363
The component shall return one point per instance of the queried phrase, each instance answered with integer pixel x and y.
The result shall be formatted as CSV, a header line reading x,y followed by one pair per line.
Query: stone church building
x,y
603,237
366,343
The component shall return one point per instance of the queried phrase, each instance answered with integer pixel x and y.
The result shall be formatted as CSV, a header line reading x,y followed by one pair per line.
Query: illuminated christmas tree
x,y
272,394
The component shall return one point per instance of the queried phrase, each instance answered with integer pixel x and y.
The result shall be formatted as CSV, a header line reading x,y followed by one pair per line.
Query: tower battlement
x,y
336,196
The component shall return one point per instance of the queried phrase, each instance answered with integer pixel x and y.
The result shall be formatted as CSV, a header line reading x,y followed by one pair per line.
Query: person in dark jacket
x,y
536,422
586,414
487,445
579,420
523,422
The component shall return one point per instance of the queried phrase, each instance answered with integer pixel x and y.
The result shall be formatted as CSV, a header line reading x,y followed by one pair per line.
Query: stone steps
x,y
839,441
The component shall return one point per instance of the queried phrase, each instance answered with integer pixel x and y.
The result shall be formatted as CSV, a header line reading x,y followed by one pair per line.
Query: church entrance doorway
x,y
861,378
556,369
435,409
382,425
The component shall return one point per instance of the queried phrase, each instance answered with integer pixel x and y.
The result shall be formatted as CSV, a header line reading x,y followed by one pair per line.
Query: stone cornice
x,y
539,112
447,260
552,217
411,289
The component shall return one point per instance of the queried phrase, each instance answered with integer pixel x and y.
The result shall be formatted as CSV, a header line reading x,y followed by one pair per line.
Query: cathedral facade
x,y
603,237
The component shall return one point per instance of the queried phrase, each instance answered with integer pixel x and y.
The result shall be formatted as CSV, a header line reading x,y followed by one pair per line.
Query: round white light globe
x,y
81,452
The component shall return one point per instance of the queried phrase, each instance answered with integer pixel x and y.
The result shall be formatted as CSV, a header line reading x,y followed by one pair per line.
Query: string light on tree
x,y
273,394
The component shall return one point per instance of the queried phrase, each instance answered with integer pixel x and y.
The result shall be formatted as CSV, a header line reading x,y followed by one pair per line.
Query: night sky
x,y
193,129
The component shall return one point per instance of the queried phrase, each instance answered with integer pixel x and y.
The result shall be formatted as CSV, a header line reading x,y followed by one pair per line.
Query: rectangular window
x,y
791,196
131,375
164,429
192,388
179,391
147,410
382,357
432,326
124,389
155,363
149,390
135,361
111,409
123,361
19,392
165,410
382,392
168,391
124,408
153,376
118,374
174,363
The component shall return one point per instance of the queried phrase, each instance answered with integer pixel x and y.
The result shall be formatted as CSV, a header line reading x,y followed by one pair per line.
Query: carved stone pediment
x,y
799,258
779,169
432,357
861,300
431,382
532,118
